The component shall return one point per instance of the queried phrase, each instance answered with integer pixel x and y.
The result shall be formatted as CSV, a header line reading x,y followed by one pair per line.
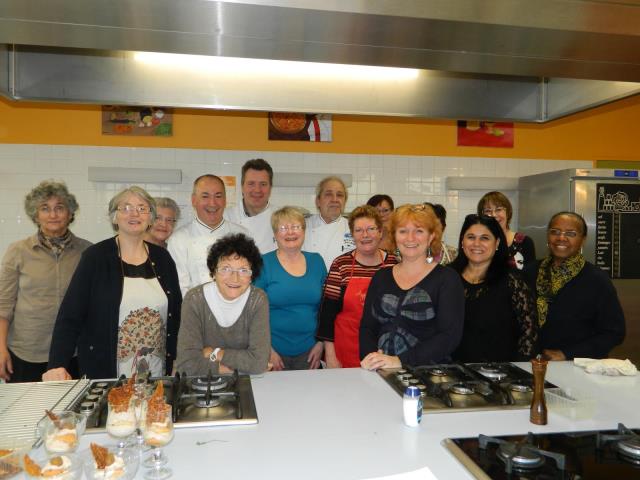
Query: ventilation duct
x,y
500,60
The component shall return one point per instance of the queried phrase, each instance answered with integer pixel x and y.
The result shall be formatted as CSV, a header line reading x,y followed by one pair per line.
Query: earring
x,y
429,255
397,252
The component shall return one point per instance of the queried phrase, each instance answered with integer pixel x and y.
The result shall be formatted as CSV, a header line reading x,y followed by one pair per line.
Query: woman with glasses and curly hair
x,y
122,310
521,250
225,323
34,276
414,311
500,321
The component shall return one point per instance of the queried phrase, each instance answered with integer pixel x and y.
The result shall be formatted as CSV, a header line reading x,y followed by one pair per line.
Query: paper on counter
x,y
607,366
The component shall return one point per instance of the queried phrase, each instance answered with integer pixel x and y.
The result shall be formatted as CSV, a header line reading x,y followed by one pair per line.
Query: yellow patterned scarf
x,y
552,278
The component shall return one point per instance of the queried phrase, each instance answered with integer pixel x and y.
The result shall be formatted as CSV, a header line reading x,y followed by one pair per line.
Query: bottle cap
x,y
412,391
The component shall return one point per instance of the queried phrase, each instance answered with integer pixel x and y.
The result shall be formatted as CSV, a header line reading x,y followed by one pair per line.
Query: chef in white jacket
x,y
328,231
189,245
254,212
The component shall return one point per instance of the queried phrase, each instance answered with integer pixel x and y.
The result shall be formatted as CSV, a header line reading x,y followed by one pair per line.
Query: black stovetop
x,y
574,456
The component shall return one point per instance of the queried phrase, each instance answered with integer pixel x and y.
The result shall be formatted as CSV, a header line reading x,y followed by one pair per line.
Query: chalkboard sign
x,y
618,229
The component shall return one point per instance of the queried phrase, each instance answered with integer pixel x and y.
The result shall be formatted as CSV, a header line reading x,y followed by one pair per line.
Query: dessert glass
x,y
62,435
55,467
121,422
158,432
124,467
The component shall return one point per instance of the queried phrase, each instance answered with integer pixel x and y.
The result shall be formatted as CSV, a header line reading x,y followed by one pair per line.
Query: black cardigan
x,y
88,316
585,318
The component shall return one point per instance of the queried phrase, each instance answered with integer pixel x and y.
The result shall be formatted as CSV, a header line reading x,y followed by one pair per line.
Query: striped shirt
x,y
342,270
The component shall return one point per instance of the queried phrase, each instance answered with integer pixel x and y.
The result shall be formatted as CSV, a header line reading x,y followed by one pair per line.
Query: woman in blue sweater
x,y
293,281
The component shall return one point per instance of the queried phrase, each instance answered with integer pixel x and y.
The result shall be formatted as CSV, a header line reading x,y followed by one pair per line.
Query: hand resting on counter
x,y
56,374
376,360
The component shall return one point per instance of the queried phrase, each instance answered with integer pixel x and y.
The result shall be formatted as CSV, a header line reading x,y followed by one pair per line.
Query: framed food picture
x,y
137,121
485,134
306,127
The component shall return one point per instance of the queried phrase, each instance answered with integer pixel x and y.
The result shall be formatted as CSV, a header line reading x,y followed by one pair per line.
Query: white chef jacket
x,y
189,246
328,239
259,225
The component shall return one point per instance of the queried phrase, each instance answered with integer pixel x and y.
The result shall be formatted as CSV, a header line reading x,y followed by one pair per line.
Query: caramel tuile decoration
x,y
31,467
102,456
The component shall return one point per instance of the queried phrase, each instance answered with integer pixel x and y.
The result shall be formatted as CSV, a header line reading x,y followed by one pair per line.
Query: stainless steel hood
x,y
469,59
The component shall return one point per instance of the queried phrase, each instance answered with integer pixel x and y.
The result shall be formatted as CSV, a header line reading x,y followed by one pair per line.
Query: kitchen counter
x,y
347,424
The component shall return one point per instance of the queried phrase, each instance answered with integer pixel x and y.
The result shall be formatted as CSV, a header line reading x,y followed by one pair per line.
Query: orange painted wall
x,y
608,132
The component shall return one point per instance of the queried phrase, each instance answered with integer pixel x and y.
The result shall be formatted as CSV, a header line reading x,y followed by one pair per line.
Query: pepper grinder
x,y
538,411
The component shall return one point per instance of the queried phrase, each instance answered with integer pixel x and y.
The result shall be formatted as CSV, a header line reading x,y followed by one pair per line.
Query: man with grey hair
x,y
189,245
328,231
254,212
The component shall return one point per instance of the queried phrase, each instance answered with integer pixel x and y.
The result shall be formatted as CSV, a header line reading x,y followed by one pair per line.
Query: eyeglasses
x,y
418,208
370,230
59,209
492,211
228,271
129,209
554,232
170,220
290,228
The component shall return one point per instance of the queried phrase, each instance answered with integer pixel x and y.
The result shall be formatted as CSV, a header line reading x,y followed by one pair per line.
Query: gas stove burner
x,y
439,372
201,384
462,389
202,403
521,456
492,370
630,448
520,387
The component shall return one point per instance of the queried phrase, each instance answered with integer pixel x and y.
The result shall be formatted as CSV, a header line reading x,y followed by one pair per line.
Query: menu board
x,y
618,229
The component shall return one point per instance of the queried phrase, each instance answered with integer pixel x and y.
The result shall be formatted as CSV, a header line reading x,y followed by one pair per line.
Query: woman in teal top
x,y
293,281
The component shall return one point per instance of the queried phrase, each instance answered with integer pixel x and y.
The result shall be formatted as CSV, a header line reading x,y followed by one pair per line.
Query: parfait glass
x,y
62,434
140,396
158,432
121,422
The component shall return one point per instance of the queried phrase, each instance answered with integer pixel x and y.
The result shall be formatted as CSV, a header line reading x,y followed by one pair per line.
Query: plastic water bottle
x,y
412,407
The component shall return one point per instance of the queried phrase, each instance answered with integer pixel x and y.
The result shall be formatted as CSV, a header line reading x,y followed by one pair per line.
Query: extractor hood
x,y
520,60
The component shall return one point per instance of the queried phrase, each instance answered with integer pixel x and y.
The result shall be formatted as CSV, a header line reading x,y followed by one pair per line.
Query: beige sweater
x,y
246,343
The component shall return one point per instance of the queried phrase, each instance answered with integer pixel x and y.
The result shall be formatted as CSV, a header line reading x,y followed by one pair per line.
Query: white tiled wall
x,y
404,178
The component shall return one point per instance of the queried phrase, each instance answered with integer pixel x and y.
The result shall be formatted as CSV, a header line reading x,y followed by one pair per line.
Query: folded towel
x,y
607,366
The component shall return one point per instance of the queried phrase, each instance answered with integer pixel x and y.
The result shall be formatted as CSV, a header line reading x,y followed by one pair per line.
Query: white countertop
x,y
347,424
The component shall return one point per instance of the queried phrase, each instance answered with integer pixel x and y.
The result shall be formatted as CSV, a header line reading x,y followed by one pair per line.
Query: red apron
x,y
347,324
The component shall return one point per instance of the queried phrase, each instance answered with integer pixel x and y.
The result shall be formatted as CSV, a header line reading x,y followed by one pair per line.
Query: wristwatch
x,y
213,356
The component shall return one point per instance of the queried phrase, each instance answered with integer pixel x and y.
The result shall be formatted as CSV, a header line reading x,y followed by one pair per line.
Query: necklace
x,y
146,249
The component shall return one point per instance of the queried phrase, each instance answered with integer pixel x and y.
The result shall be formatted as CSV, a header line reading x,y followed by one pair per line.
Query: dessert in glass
x,y
158,431
121,419
59,467
60,432
105,463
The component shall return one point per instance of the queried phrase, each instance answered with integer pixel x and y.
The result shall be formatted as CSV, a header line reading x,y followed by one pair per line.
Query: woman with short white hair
x,y
167,215
122,309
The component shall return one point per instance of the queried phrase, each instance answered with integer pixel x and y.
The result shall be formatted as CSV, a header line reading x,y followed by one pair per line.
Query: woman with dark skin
x,y
578,308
